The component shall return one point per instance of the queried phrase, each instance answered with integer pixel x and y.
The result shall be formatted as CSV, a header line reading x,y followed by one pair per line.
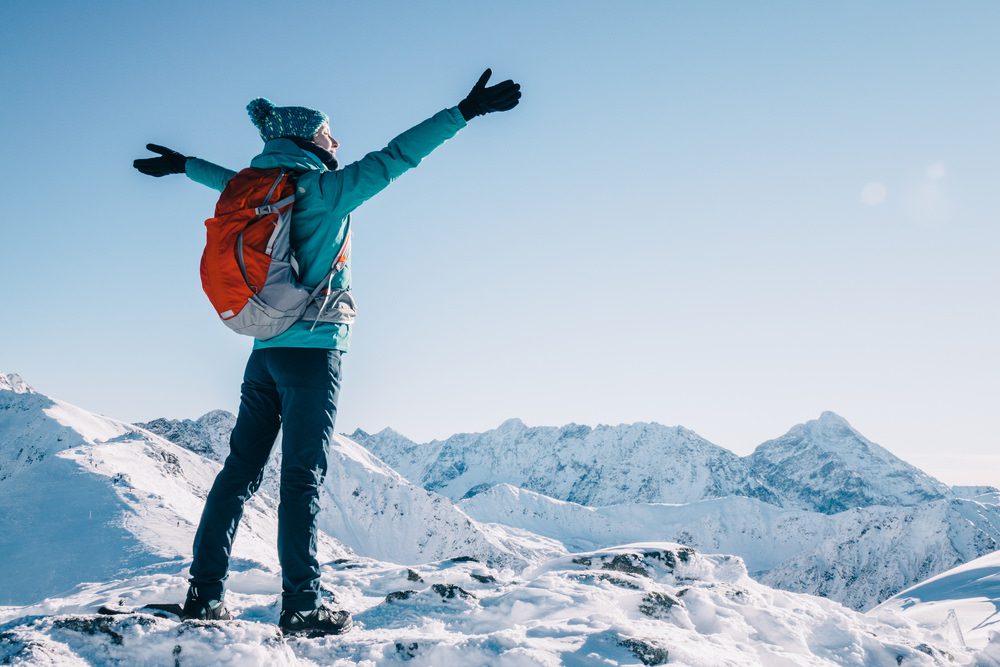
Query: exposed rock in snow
x,y
645,603
208,435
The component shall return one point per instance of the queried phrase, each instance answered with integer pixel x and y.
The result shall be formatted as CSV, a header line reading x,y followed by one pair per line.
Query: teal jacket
x,y
323,203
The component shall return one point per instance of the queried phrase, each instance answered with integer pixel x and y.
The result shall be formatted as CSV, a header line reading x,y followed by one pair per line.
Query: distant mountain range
x,y
824,465
821,509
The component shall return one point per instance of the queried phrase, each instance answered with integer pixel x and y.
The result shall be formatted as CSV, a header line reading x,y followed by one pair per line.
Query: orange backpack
x,y
248,270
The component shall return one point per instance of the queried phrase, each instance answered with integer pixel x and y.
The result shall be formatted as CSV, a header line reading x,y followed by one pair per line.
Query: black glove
x,y
170,162
482,100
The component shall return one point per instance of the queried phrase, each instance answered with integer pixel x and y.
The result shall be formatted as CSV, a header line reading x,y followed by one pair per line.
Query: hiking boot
x,y
203,609
315,622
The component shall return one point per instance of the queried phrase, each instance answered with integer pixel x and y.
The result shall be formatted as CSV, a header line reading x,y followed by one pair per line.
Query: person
x,y
292,381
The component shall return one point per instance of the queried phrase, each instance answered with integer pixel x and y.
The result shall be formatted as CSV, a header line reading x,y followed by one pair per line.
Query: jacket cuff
x,y
457,116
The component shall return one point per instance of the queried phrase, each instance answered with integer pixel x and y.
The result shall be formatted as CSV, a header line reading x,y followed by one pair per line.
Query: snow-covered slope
x,y
646,603
88,498
965,600
368,506
606,465
858,557
372,509
208,436
102,511
827,466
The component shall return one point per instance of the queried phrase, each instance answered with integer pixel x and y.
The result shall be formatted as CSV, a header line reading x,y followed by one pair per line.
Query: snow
x,y
970,591
372,509
644,603
982,494
88,498
858,557
13,382
606,465
98,511
821,509
825,465
822,465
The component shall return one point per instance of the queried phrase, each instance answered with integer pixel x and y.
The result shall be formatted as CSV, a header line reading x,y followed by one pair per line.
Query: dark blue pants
x,y
296,390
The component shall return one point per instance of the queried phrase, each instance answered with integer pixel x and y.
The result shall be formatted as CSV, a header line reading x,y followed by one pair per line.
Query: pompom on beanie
x,y
274,121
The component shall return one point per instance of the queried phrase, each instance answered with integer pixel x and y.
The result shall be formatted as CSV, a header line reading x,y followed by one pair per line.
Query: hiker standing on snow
x,y
292,379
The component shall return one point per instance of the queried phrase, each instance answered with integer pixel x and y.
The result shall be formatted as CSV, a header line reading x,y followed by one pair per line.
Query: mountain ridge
x,y
831,479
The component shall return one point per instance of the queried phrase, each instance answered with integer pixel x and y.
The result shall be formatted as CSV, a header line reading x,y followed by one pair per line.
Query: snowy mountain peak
x,y
830,417
822,465
826,465
217,416
387,433
15,383
511,425
832,430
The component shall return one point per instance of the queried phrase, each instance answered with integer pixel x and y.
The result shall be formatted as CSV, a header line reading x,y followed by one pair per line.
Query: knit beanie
x,y
274,122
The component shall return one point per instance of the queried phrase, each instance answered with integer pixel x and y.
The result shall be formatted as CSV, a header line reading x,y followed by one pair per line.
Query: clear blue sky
x,y
725,215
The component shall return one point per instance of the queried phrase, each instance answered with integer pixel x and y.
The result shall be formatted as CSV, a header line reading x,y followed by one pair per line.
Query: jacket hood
x,y
284,153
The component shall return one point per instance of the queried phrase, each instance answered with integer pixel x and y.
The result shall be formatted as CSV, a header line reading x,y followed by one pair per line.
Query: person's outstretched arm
x,y
346,189
172,162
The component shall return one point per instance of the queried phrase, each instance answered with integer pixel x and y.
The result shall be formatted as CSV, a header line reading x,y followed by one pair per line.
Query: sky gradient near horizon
x,y
730,216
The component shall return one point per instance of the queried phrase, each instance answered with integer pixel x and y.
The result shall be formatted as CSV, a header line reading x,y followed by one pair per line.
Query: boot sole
x,y
313,633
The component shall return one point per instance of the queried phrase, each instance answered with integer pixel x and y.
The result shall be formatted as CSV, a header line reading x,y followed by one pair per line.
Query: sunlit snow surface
x,y
970,593
90,499
651,603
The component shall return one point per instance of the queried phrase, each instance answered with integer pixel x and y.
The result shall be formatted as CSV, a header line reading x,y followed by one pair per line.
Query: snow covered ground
x,y
965,599
97,511
650,603
858,557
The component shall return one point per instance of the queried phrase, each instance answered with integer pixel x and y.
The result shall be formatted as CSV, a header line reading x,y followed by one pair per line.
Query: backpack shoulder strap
x,y
332,297
339,262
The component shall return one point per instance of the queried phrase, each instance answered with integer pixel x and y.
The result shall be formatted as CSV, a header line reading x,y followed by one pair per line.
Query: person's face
x,y
325,140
